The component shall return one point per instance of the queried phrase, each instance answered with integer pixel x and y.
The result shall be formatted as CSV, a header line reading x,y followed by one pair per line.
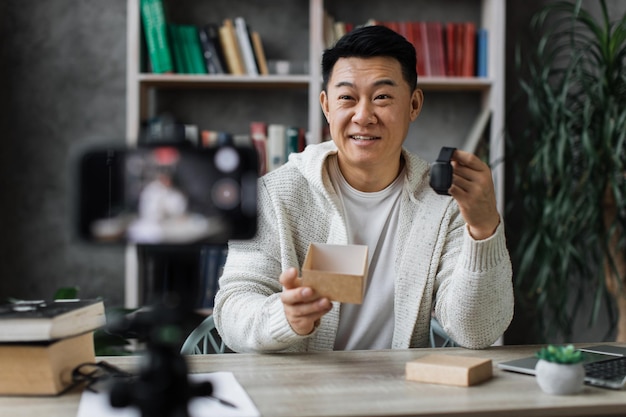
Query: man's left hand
x,y
473,189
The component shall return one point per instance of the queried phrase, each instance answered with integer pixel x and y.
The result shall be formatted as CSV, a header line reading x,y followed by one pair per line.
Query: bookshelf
x,y
450,101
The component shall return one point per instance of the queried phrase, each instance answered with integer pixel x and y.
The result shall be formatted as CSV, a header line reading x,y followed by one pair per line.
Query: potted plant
x,y
569,168
560,370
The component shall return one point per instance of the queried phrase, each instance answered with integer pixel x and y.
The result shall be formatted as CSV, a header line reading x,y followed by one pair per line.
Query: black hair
x,y
368,42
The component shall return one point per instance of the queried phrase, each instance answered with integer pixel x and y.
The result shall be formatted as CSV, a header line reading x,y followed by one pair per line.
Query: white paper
x,y
225,387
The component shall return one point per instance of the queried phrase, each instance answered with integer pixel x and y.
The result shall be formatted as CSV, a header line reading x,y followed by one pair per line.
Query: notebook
x,y
605,366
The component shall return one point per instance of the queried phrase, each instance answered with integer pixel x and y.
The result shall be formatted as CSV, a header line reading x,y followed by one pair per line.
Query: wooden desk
x,y
366,383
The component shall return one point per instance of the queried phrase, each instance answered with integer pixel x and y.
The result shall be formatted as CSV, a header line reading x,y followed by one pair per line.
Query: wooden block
x,y
336,271
449,370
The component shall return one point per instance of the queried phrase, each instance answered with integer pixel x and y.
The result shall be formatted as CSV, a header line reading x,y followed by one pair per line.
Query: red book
x,y
469,50
450,50
425,47
459,45
419,48
393,25
435,46
301,139
208,138
258,135
406,30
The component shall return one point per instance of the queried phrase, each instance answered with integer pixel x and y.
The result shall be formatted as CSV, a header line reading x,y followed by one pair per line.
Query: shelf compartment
x,y
222,81
293,81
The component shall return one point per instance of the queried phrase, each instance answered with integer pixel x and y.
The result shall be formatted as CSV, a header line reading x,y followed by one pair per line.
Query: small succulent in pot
x,y
561,354
560,369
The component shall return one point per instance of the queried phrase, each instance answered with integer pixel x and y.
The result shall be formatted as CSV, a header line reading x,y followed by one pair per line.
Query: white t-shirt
x,y
372,220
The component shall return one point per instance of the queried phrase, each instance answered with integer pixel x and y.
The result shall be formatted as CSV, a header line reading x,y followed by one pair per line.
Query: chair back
x,y
204,339
438,336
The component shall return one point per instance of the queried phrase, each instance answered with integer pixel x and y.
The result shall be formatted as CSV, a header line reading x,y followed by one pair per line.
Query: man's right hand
x,y
303,307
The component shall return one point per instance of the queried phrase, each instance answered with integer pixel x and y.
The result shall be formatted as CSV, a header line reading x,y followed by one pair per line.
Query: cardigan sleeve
x,y
474,298
248,311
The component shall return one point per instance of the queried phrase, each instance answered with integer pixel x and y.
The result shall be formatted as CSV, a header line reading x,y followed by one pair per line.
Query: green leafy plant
x,y
569,168
66,293
560,354
107,343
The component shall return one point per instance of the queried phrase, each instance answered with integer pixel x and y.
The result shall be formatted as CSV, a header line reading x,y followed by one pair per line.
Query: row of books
x,y
227,48
41,342
273,141
451,49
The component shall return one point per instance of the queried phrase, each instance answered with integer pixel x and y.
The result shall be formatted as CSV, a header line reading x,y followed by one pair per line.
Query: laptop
x,y
605,366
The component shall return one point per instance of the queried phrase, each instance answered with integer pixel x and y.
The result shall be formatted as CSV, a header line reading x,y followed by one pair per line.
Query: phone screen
x,y
167,195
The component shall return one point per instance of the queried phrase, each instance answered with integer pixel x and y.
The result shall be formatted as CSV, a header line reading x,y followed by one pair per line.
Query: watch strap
x,y
445,155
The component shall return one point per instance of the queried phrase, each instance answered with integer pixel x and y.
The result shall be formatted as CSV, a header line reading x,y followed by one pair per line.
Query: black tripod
x,y
162,388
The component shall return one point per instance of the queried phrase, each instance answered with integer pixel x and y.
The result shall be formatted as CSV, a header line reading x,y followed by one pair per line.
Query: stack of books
x,y
231,47
42,342
444,49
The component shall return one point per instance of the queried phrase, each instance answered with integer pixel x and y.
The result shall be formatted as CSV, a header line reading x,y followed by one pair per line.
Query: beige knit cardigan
x,y
438,265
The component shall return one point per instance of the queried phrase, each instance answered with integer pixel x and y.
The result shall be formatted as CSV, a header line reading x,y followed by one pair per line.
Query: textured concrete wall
x,y
63,82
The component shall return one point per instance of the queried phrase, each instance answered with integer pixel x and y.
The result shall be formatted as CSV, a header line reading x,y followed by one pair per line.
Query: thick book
x,y
178,53
481,52
259,53
328,30
276,146
426,53
292,140
436,49
245,46
212,50
258,135
157,41
230,46
29,321
193,49
469,50
450,42
43,368
420,51
182,50
458,48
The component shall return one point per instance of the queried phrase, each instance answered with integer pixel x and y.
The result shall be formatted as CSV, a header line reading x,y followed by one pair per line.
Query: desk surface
x,y
366,383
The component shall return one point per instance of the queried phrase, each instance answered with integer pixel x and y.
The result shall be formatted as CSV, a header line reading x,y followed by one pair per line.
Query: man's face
x,y
369,107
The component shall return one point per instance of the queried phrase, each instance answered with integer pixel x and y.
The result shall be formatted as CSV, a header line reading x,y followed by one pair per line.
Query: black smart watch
x,y
441,171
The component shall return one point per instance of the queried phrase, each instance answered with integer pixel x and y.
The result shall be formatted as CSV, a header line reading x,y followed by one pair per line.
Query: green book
x,y
195,50
183,34
155,30
177,49
292,137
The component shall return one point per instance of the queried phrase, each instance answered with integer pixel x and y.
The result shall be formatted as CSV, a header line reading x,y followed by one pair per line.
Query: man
x,y
426,251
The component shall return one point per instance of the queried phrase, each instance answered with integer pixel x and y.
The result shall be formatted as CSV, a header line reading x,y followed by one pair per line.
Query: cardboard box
x,y
338,272
449,369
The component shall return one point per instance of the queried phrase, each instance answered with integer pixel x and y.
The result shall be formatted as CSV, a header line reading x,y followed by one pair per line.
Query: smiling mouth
x,y
359,137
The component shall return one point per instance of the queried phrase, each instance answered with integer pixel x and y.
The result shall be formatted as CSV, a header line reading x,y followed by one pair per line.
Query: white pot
x,y
559,378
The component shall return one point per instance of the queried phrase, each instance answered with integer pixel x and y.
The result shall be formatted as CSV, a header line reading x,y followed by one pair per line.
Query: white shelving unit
x,y
141,88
